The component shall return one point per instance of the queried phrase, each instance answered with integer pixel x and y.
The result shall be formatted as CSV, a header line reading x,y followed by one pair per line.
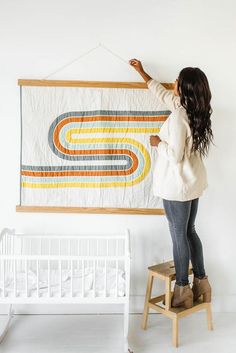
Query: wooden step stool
x,y
166,272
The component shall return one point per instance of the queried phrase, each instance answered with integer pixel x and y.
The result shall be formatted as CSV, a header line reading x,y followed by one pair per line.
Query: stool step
x,y
166,269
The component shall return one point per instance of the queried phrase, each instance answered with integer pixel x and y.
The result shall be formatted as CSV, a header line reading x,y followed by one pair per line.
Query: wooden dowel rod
x,y
103,84
57,209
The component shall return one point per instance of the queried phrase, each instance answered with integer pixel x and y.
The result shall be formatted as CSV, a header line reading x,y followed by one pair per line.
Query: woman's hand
x,y
139,68
154,140
136,64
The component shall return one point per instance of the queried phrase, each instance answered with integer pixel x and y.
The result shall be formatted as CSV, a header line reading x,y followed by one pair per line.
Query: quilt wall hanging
x,y
85,146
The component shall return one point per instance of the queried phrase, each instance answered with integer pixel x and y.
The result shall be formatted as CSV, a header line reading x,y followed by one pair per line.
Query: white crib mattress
x,y
90,284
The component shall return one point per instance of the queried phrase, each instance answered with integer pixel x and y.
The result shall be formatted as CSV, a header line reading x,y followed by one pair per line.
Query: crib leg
x,y
126,327
7,324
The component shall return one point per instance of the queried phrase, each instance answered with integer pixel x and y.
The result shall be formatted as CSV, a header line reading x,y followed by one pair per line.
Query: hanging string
x,y
114,54
71,62
85,54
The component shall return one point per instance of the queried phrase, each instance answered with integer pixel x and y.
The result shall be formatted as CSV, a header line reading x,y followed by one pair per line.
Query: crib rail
x,y
62,266
12,243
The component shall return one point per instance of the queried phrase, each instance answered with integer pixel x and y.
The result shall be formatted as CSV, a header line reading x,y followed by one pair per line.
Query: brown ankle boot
x,y
201,287
183,296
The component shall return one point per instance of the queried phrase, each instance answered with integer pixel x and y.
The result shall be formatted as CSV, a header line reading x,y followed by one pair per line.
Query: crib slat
x,y
21,246
105,279
30,247
49,279
15,284
40,246
7,251
116,252
71,283
83,277
37,271
107,246
14,245
12,253
88,247
3,270
116,290
59,246
69,247
26,277
94,277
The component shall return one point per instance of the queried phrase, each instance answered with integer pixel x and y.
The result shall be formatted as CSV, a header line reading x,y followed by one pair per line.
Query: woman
x,y
180,175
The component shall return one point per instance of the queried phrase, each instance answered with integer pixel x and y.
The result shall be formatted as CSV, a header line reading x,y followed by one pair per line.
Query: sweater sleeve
x,y
173,149
164,95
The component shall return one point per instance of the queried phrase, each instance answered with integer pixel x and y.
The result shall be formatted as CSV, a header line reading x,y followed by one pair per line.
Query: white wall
x,y
37,37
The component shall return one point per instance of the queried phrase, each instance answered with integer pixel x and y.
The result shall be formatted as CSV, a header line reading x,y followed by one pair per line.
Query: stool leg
x,y
168,294
147,298
175,331
209,317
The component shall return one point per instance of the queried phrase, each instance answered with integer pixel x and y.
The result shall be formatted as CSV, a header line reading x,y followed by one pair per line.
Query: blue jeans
x,y
186,243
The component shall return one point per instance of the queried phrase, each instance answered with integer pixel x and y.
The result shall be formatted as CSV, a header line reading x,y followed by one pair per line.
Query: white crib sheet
x,y
66,282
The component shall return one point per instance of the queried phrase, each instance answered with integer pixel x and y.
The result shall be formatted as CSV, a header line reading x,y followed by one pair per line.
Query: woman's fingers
x,y
137,65
134,62
154,140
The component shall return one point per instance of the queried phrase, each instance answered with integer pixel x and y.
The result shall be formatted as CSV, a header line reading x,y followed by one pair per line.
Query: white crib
x,y
47,269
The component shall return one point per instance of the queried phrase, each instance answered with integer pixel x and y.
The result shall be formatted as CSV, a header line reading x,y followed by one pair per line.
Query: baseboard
x,y
219,304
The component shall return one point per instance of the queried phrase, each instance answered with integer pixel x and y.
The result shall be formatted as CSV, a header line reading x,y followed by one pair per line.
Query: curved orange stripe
x,y
81,173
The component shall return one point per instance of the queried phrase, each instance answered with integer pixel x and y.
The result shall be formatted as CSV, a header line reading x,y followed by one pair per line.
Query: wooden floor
x,y
103,334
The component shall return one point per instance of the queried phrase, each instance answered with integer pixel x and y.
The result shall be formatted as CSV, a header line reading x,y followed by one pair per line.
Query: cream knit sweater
x,y
179,174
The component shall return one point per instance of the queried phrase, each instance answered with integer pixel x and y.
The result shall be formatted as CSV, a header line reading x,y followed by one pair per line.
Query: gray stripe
x,y
114,113
85,167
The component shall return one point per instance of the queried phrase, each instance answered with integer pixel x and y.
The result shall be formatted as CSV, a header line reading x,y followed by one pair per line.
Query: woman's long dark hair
x,y
195,97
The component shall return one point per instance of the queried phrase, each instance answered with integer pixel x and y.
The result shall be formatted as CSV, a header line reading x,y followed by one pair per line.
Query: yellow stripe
x,y
78,185
70,132
112,139
109,184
